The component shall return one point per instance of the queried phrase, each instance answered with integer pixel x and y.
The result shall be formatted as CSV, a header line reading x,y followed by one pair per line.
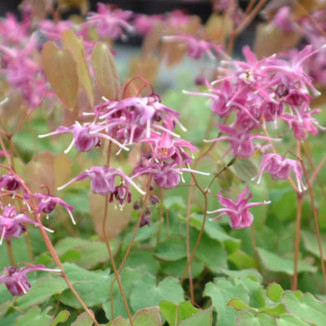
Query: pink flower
x,y
9,182
11,223
145,23
16,279
241,141
110,22
47,204
197,48
86,136
280,167
103,180
238,211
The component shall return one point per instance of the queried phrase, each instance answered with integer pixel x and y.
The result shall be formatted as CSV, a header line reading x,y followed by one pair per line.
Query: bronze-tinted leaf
x,y
278,41
40,170
75,45
105,70
61,70
152,40
218,27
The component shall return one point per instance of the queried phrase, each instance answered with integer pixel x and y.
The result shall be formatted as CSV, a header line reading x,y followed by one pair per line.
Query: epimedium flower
x,y
197,48
135,117
238,210
241,142
85,137
110,22
103,180
16,279
47,204
9,182
166,175
280,167
11,223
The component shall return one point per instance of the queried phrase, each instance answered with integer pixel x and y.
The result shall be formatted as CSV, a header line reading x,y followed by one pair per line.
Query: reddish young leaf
x,y
61,70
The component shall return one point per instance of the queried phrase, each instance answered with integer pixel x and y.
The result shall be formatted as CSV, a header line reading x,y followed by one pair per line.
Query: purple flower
x,y
86,136
197,48
11,223
238,211
110,22
103,180
280,167
166,175
47,204
122,194
145,23
16,279
9,182
241,142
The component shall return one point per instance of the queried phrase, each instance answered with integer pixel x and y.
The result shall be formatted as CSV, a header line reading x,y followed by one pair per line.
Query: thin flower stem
x,y
191,285
29,246
312,199
7,156
297,241
308,155
161,217
115,270
10,253
317,170
201,229
149,181
254,245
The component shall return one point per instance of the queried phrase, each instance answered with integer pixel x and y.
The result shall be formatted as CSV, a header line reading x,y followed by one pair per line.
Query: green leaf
x,y
41,289
41,318
61,71
105,70
176,268
174,201
274,292
305,306
210,252
128,277
249,319
147,317
290,320
61,317
91,253
171,249
203,318
311,243
119,321
83,320
168,289
221,292
275,311
275,263
238,304
93,287
143,260
183,311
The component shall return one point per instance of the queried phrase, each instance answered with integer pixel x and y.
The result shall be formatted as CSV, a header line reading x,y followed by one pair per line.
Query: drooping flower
x,y
280,167
103,180
86,136
196,47
110,22
47,204
11,223
9,182
16,279
238,210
